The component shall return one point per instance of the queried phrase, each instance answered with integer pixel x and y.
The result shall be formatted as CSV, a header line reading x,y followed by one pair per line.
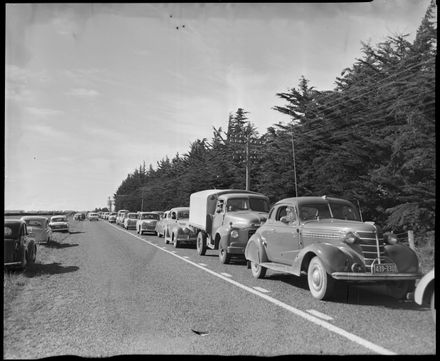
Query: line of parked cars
x,y
21,237
322,238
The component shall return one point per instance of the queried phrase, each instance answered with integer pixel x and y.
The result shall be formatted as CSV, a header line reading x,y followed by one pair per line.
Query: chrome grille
x,y
370,247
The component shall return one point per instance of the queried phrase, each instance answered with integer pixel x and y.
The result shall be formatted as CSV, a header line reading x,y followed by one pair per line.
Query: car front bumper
x,y
375,277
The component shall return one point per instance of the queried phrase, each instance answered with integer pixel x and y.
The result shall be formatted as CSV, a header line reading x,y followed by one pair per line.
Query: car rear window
x,y
59,219
34,223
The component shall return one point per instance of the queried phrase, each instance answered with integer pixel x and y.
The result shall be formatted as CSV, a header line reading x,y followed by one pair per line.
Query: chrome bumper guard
x,y
350,276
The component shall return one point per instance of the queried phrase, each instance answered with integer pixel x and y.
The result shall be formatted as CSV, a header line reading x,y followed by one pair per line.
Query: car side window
x,y
286,214
282,212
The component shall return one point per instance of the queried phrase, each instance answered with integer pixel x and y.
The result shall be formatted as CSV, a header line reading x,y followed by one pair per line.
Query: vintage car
x,y
92,216
160,225
59,223
177,228
425,291
120,217
146,222
326,239
112,217
38,228
130,220
19,249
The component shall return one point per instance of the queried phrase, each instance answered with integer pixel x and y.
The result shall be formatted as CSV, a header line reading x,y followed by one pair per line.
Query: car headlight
x,y
390,238
234,233
351,238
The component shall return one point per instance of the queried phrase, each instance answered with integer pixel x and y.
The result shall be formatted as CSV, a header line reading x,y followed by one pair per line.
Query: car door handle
x,y
264,243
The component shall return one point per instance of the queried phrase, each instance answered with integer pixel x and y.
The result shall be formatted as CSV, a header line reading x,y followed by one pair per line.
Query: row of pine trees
x,y
371,140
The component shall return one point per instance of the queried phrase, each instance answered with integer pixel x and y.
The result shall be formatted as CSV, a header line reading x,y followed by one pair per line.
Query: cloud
x,y
82,92
43,112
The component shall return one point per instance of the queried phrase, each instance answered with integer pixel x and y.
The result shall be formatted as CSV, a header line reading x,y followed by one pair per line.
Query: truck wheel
x,y
321,285
258,271
165,236
176,243
224,256
201,244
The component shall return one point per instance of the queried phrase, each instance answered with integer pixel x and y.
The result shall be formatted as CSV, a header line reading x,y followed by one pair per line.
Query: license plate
x,y
385,268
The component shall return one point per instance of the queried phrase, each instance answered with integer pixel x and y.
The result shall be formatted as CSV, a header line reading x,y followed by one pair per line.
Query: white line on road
x,y
186,257
226,274
320,315
317,321
202,264
261,289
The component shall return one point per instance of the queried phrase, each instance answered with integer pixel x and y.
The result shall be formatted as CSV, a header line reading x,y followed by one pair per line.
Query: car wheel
x,y
201,244
224,256
258,271
321,285
400,289
165,236
433,305
176,243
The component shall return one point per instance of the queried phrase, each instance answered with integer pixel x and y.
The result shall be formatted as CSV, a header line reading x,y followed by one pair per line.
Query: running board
x,y
279,267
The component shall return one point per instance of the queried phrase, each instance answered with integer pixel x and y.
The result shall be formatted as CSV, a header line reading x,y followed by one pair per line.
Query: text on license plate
x,y
384,268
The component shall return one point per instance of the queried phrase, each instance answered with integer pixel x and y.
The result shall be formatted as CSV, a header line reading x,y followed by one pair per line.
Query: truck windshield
x,y
183,215
246,204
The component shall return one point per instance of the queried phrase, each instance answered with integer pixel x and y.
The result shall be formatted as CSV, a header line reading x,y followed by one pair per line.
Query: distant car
x,y
120,217
38,228
425,291
19,249
59,224
177,229
112,217
160,225
146,222
130,220
77,217
93,216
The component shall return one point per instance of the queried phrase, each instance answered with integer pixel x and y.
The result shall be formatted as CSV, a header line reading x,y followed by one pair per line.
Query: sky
x,y
94,90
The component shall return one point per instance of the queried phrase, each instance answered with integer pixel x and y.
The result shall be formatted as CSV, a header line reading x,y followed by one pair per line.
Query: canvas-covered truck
x,y
225,219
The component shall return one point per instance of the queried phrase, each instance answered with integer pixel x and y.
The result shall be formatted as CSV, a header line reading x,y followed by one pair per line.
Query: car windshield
x,y
11,231
245,204
132,216
182,214
150,216
58,219
34,223
327,210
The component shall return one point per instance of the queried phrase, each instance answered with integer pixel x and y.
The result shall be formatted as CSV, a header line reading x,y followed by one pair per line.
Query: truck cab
x,y
226,219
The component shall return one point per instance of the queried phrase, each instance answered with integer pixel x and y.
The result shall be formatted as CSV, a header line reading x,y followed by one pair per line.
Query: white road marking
x,y
261,289
317,321
202,264
186,257
320,315
173,252
226,274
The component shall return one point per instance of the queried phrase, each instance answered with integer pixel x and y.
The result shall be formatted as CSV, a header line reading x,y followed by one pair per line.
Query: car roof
x,y
308,199
24,218
13,221
177,209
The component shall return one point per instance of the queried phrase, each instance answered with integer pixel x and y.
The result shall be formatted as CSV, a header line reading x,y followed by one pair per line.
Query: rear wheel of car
x,y
176,242
165,236
321,285
201,244
258,271
224,256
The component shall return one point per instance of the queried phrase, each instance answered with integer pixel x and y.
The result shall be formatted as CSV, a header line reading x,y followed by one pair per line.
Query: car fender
x,y
222,236
424,288
404,257
255,250
334,258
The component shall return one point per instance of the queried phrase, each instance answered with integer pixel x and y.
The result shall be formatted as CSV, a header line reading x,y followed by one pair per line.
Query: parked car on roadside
x,y
38,228
59,223
425,291
130,220
19,249
77,217
160,225
326,239
112,217
92,216
177,229
146,222
120,217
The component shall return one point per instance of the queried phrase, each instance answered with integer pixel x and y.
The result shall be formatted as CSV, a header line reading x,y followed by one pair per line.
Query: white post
x,y
411,240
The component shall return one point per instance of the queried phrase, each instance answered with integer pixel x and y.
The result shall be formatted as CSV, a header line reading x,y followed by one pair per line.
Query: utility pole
x,y
247,161
109,202
142,202
294,165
